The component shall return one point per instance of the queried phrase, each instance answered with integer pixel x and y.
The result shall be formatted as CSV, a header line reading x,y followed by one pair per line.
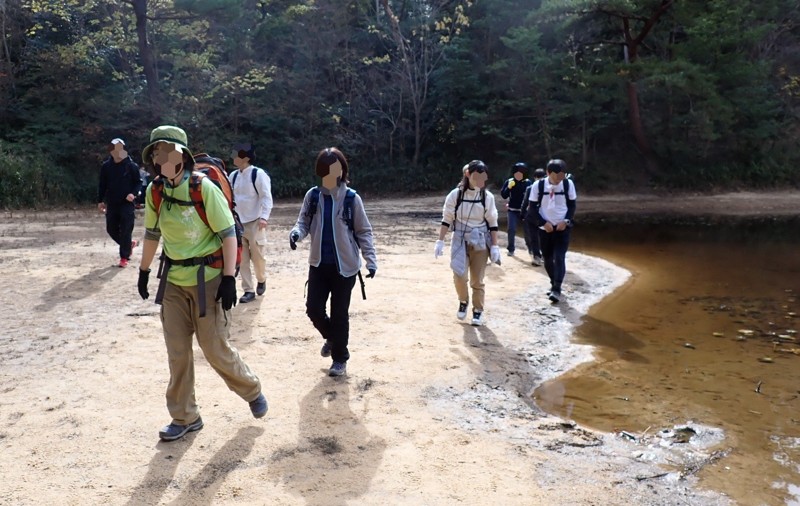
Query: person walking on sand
x,y
530,217
334,216
555,200
513,189
119,184
196,297
252,189
469,211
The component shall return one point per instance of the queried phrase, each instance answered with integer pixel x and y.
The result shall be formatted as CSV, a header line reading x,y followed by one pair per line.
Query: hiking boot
x,y
325,351
477,318
259,406
174,431
123,262
247,297
261,288
337,369
462,310
554,296
537,260
510,253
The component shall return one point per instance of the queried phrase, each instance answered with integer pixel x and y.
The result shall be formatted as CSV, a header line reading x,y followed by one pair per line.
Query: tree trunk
x,y
146,53
637,129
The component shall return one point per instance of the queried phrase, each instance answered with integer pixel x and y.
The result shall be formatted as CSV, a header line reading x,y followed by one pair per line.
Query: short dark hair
x,y
328,157
245,150
539,173
556,165
519,167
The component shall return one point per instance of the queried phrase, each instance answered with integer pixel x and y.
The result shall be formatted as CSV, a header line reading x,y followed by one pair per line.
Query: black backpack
x,y
253,176
347,211
347,215
565,192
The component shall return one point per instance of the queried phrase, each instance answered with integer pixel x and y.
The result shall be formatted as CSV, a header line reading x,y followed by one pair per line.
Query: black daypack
x,y
460,199
565,191
347,211
253,177
347,215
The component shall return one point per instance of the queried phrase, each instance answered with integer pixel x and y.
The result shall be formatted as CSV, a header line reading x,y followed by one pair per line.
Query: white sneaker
x,y
477,318
462,310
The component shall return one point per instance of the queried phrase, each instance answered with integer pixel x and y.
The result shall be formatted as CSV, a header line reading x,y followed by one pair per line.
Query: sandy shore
x,y
432,411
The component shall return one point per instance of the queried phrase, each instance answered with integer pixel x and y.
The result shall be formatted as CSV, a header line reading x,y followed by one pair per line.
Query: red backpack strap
x,y
155,192
196,195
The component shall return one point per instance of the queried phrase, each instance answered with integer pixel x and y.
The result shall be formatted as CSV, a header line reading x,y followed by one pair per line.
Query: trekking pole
x,y
363,289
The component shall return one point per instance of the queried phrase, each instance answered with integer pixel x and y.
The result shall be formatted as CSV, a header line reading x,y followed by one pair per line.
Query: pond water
x,y
704,331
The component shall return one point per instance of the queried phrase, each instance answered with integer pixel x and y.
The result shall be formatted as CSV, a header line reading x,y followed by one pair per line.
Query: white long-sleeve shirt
x,y
251,204
470,212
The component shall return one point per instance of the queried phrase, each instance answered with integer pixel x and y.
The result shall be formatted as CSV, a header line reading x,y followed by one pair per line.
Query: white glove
x,y
494,254
438,250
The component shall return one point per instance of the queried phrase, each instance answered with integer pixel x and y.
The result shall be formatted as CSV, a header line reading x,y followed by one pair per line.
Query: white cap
x,y
117,141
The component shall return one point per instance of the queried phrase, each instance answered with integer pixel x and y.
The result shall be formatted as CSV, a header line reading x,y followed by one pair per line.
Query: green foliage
x,y
30,180
717,82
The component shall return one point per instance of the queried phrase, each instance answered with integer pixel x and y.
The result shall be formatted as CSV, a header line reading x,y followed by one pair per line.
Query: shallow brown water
x,y
659,362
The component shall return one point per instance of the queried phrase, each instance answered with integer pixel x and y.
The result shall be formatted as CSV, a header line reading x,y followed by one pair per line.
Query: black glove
x,y
144,277
227,292
371,273
293,238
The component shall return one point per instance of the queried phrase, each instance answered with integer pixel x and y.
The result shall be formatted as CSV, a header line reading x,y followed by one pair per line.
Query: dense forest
x,y
699,94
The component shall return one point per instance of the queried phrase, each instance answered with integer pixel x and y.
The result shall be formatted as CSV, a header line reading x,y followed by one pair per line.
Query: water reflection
x,y
670,347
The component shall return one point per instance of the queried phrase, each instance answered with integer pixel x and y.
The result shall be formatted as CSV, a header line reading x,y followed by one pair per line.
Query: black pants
x,y
531,225
119,225
323,281
554,251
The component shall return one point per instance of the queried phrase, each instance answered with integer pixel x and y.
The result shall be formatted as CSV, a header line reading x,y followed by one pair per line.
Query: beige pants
x,y
180,319
476,260
254,245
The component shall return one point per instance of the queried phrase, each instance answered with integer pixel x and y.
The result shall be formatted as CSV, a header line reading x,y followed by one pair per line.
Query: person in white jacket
x,y
333,215
470,212
252,191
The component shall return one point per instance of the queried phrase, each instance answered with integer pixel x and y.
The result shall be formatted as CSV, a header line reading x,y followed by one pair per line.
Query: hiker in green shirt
x,y
198,288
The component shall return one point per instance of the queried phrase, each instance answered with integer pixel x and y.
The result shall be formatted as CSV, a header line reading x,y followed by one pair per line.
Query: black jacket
x,y
515,193
117,180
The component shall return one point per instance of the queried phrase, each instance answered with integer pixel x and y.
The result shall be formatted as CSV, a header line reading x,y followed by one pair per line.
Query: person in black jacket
x,y
117,190
513,189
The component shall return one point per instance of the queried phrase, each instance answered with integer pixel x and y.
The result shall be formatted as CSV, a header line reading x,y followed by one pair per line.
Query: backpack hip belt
x,y
201,262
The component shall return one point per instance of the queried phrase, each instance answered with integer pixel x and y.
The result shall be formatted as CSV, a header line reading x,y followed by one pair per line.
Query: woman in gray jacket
x,y
334,216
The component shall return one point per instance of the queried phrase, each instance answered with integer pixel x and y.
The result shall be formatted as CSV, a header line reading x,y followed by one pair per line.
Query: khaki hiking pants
x,y
180,319
254,248
476,267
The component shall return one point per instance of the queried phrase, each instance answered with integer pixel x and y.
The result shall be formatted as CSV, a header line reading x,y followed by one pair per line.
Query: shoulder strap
x,y
459,199
312,203
566,188
347,211
253,177
235,175
196,194
541,192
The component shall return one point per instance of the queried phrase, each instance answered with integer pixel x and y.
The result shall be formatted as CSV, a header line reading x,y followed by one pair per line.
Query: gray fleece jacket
x,y
346,248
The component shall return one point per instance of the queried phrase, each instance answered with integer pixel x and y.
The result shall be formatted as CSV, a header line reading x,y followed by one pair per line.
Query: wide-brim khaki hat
x,y
167,133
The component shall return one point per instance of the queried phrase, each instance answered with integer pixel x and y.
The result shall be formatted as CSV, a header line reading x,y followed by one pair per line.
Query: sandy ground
x,y
432,411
